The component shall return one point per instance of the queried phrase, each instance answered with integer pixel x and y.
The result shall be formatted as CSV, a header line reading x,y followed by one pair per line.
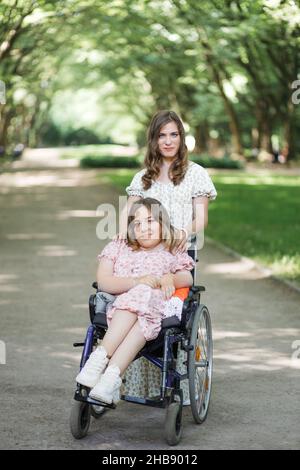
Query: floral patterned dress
x,y
177,200
143,379
148,303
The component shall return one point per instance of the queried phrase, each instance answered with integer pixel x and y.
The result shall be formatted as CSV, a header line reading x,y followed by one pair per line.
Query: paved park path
x,y
48,254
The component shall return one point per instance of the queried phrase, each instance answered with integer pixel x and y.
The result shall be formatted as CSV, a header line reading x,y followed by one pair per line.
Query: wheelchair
x,y
193,334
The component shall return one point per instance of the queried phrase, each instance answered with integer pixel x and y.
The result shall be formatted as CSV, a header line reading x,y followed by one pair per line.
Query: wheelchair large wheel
x,y
200,363
173,426
80,419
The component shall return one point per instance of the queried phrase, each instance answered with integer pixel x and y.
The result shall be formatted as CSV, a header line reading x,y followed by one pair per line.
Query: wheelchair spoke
x,y
201,345
201,365
200,390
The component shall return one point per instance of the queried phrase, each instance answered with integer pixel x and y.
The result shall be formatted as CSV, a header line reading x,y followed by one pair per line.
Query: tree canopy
x,y
228,67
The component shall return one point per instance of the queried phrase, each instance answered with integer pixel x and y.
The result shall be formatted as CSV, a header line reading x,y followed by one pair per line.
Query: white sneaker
x,y
107,389
91,372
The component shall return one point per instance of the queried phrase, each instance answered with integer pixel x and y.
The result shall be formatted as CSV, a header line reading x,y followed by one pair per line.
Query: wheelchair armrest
x,y
196,289
194,292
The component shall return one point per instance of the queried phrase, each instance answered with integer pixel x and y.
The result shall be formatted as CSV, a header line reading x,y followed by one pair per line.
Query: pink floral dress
x,y
146,302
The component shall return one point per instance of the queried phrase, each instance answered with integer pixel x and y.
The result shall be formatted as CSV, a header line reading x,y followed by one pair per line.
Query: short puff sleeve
x,y
136,186
202,184
182,261
111,251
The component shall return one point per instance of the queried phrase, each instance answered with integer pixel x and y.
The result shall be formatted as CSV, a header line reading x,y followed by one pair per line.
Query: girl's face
x,y
169,140
146,228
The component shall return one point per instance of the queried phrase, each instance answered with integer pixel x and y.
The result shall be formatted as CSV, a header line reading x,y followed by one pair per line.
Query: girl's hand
x,y
167,285
149,280
181,241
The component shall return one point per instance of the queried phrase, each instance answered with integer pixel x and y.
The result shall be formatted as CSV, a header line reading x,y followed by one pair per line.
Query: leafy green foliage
x,y
226,67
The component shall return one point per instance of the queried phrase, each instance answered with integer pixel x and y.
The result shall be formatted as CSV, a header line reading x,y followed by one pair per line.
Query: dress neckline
x,y
158,247
163,184
171,182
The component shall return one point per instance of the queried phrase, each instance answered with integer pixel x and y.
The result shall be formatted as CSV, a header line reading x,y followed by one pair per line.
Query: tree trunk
x,y
6,117
264,127
265,136
289,133
229,108
201,137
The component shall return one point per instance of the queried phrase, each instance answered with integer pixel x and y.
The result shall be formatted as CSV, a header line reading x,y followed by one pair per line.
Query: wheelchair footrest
x,y
159,403
91,401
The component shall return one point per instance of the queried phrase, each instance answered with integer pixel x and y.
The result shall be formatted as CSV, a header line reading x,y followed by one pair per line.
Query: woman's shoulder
x,y
140,173
136,186
113,249
195,168
193,172
197,172
201,182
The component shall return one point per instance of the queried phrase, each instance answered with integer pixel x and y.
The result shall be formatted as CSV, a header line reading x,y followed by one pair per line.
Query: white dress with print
x,y
142,378
177,199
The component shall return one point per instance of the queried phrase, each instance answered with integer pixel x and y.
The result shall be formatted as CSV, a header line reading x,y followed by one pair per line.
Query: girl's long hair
x,y
153,158
160,214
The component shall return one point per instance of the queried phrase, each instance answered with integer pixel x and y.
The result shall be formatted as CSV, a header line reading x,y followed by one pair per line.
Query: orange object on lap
x,y
182,293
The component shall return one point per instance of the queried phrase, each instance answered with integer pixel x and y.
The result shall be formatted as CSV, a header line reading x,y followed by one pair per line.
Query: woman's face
x,y
146,228
169,140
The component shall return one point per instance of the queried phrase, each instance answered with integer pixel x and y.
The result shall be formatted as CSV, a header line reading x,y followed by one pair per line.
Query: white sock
x,y
101,348
114,368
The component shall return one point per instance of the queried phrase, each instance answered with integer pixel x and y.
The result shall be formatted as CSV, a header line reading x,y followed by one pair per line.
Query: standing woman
x,y
185,189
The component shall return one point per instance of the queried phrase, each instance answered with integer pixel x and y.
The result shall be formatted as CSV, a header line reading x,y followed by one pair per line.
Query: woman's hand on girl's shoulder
x,y
121,237
181,242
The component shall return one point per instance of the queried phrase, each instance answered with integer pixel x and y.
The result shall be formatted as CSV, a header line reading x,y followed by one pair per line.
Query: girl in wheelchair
x,y
143,274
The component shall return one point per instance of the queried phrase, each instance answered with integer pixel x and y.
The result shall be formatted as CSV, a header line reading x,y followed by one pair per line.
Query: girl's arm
x,y
170,282
109,283
182,279
116,285
179,279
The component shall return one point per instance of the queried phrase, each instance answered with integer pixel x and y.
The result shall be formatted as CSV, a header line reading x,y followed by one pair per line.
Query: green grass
x,y
256,215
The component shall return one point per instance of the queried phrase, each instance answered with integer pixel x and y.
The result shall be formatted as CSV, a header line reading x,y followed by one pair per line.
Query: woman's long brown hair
x,y
153,158
160,214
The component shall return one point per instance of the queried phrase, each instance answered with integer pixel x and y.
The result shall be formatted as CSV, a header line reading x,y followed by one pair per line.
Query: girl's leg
x,y
120,324
128,349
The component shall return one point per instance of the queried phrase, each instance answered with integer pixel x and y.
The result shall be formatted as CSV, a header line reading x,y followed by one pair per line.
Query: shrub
x,y
110,162
212,162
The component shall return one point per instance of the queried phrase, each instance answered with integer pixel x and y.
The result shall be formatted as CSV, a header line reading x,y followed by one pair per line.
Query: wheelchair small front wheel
x,y
200,364
173,423
80,419
98,411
